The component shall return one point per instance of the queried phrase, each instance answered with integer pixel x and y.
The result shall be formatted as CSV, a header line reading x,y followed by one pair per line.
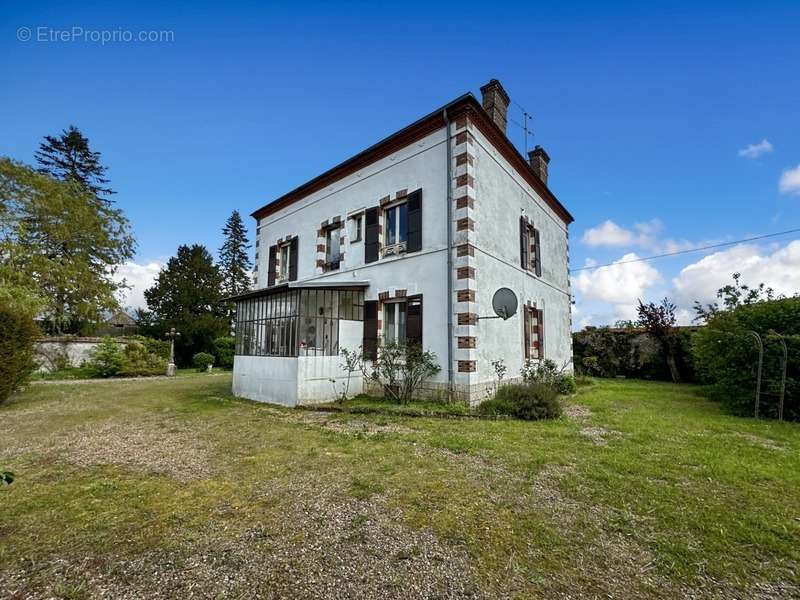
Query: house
x,y
409,240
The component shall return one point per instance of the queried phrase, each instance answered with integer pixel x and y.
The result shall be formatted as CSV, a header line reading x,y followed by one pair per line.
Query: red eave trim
x,y
413,133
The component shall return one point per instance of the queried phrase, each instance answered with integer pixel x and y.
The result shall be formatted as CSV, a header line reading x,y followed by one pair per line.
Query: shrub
x,y
631,352
401,369
154,346
547,373
224,350
203,360
140,361
527,401
726,356
18,333
106,360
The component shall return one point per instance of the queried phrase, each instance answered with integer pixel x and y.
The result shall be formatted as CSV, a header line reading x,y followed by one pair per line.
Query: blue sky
x,y
643,107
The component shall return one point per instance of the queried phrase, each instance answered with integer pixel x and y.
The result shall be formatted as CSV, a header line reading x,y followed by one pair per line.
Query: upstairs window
x,y
333,254
395,234
285,262
529,247
356,228
282,265
402,228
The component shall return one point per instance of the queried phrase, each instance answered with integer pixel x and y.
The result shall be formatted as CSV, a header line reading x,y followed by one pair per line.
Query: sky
x,y
669,125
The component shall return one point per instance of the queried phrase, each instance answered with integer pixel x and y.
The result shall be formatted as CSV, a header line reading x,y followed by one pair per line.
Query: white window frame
x,y
398,247
398,328
329,236
284,272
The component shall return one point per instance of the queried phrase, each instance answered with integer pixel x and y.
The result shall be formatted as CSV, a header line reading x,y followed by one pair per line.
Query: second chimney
x,y
495,103
539,160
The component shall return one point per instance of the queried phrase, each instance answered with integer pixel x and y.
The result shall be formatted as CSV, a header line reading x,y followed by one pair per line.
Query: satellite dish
x,y
504,303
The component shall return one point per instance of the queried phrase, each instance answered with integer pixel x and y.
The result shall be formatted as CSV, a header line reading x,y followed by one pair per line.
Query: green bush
x,y
139,361
630,352
529,402
726,356
546,372
203,360
154,346
106,360
224,348
18,333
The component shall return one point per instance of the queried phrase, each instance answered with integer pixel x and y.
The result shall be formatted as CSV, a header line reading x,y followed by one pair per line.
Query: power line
x,y
698,249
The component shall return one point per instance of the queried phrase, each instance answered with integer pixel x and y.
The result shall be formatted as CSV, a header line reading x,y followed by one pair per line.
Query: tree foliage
x,y
234,262
732,296
62,245
68,157
726,354
659,321
18,334
187,296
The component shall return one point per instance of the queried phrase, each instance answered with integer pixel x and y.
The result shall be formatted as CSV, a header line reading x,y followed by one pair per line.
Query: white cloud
x,y
620,284
644,235
608,233
139,278
790,181
756,150
779,270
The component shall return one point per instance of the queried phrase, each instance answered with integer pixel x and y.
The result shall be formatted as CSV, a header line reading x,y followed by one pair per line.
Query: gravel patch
x,y
154,446
760,441
347,425
325,546
577,411
599,435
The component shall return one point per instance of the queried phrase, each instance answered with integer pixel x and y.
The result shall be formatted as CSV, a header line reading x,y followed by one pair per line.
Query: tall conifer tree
x,y
68,157
234,263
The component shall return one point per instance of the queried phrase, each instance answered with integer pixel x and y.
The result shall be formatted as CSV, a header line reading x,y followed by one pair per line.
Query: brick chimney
x,y
539,160
495,103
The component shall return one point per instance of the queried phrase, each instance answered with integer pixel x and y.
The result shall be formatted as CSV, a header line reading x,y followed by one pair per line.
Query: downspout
x,y
450,377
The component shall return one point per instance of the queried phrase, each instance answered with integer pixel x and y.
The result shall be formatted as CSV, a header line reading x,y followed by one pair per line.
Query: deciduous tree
x,y
59,242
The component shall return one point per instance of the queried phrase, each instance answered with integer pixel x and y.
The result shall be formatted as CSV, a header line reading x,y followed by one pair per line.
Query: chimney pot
x,y
539,161
495,103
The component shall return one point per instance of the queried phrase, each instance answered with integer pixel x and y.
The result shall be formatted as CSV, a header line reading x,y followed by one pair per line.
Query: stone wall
x,y
55,352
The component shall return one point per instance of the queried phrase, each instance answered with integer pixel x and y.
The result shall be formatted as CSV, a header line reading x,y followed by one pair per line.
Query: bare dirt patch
x,y
760,441
347,426
599,435
577,411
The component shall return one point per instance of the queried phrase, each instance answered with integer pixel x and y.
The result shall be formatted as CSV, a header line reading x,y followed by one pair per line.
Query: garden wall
x,y
54,353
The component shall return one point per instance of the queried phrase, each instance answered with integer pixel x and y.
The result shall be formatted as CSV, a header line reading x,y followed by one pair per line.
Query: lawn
x,y
175,489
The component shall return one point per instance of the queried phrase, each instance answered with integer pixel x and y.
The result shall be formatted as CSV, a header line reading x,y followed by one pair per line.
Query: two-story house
x,y
408,241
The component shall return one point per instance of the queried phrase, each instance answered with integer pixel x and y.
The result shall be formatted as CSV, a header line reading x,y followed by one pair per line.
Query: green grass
x,y
648,490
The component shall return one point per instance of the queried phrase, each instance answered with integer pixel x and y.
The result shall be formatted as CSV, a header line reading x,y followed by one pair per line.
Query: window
x,y
394,322
282,263
533,323
295,322
285,262
396,229
530,255
332,249
356,226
